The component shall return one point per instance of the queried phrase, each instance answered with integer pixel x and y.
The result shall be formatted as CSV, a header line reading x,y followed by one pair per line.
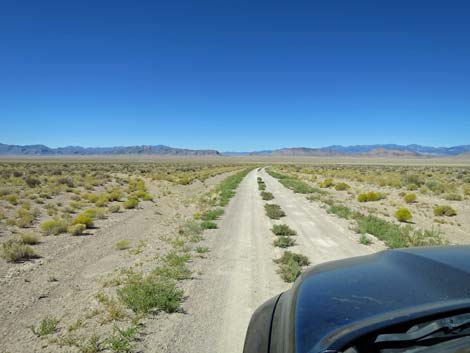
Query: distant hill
x,y
41,150
386,150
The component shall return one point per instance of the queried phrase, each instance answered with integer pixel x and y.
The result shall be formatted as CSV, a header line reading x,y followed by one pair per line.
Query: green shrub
x,y
32,182
76,229
290,265
85,218
151,293
103,200
342,187
130,203
172,258
54,226
444,210
403,215
327,183
340,211
267,196
453,197
208,225
115,195
284,242
390,233
212,215
409,198
114,208
47,326
274,211
283,230
369,196
364,240
122,340
29,238
143,195
226,189
122,244
14,251
177,272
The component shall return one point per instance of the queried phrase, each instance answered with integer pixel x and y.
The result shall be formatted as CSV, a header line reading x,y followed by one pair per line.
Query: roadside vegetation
x,y
409,197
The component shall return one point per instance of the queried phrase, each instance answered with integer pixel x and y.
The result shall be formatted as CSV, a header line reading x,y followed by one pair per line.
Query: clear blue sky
x,y
234,75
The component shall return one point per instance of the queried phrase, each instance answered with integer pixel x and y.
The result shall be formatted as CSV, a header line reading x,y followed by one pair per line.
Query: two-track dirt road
x,y
241,275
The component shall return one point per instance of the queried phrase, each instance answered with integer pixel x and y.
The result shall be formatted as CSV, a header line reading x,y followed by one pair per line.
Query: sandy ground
x,y
241,275
65,280
233,279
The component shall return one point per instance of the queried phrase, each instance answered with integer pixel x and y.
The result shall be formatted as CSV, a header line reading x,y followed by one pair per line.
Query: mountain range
x,y
380,150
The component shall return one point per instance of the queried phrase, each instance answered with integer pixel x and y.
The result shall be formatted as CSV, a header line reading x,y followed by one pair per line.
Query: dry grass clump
x,y
403,215
409,198
13,250
54,226
370,196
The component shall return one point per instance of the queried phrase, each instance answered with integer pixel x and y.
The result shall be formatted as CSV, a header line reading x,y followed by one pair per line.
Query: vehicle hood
x,y
338,296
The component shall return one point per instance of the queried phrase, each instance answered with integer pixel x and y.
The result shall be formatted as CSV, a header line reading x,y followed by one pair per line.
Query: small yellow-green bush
x,y
130,203
85,218
369,196
444,210
326,183
342,186
409,198
76,229
403,215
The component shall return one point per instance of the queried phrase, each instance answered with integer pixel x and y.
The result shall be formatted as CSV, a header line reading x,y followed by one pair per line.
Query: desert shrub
x,y
283,230
54,226
143,195
32,182
369,196
340,211
130,203
364,240
261,186
290,265
86,218
122,340
12,199
466,190
444,210
208,225
284,242
151,293
412,179
267,196
172,258
453,197
122,244
47,326
102,200
409,198
342,187
24,218
14,251
76,229
29,238
274,211
327,183
403,215
426,238
115,195
114,208
177,272
212,215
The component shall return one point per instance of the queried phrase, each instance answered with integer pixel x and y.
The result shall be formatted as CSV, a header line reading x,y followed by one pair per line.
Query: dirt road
x,y
240,274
